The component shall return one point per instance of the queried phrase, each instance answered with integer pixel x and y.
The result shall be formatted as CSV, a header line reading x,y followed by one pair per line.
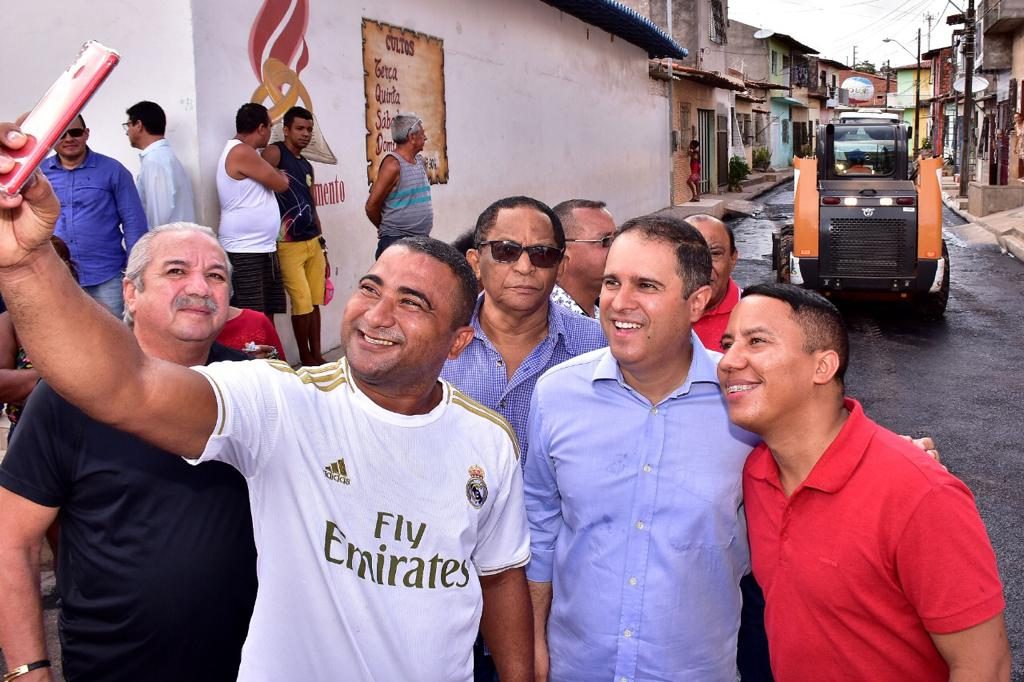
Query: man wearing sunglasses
x,y
102,210
589,229
518,255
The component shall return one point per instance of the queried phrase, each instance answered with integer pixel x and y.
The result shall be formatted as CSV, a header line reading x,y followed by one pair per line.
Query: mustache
x,y
193,301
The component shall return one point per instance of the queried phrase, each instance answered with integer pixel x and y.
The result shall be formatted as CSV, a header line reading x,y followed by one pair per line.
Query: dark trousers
x,y
383,243
752,651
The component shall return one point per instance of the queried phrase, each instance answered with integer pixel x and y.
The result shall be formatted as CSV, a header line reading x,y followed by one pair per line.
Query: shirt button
x,y
627,634
647,468
502,404
632,581
623,679
654,410
501,362
639,525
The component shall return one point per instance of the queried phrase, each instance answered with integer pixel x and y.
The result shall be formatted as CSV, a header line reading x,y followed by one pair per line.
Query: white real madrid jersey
x,y
372,527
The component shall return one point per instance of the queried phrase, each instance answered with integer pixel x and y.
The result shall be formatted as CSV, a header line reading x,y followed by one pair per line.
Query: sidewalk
x,y
1005,229
722,205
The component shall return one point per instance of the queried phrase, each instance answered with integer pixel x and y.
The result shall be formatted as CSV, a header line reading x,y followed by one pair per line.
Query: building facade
x,y
498,101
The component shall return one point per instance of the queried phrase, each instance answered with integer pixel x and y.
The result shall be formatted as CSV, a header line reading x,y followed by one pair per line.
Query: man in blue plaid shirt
x,y
518,253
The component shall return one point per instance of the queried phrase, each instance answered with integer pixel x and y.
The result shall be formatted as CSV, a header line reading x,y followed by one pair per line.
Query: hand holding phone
x,y
55,111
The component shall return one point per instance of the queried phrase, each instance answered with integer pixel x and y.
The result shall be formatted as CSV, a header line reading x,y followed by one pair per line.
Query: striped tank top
x,y
407,210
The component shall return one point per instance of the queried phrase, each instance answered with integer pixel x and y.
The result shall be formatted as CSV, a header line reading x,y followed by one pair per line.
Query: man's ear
x,y
826,364
473,256
698,301
463,335
129,292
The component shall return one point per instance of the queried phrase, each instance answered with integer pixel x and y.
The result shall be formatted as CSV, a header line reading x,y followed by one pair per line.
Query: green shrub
x,y
762,158
738,172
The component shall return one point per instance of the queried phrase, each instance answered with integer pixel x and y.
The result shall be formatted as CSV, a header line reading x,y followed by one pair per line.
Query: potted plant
x,y
762,158
738,172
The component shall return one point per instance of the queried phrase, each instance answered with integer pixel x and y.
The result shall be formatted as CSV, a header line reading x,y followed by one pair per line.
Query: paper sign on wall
x,y
404,72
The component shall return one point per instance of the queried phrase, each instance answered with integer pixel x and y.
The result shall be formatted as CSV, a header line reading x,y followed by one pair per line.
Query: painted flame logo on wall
x,y
277,55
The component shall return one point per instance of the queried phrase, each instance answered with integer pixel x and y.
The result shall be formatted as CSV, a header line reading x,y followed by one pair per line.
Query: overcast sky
x,y
834,27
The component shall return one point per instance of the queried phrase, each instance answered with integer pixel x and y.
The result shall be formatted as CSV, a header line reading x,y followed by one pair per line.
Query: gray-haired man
x,y
399,202
164,549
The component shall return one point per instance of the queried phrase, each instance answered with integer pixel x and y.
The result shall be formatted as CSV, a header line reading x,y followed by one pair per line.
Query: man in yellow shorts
x,y
300,248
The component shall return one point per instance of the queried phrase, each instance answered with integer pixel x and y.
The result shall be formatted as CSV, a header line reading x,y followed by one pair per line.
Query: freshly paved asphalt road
x,y
958,380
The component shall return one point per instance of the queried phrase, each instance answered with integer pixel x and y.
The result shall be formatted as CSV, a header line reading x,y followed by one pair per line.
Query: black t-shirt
x,y
156,565
298,212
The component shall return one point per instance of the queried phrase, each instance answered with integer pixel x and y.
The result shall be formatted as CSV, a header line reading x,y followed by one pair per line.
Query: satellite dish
x,y
978,83
763,33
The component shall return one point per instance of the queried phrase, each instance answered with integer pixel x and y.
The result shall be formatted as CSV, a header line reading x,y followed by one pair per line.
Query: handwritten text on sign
x,y
403,72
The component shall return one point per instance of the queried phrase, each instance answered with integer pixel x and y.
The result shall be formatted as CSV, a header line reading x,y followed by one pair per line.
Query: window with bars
x,y
775,62
716,26
746,126
785,131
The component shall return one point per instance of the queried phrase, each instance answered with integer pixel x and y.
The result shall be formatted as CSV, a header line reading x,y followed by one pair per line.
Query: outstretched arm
x,y
108,376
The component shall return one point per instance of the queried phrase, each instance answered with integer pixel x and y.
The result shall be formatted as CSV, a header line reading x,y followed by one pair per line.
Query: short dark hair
x,y
692,254
464,242
490,216
821,322
153,118
464,297
705,217
251,116
564,212
297,112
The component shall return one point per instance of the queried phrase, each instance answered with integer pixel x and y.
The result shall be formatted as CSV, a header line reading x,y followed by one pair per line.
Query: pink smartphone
x,y
55,111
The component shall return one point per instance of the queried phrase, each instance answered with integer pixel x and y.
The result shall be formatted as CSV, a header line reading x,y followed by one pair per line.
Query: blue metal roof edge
x,y
624,22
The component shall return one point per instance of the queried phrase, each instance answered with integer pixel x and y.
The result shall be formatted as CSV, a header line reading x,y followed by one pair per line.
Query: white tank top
x,y
249,217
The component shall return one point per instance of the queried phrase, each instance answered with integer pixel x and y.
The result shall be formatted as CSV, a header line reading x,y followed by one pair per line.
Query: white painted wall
x,y
157,63
538,103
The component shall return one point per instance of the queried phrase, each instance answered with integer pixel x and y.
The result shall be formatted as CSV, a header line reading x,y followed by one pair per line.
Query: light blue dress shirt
x,y
164,186
635,517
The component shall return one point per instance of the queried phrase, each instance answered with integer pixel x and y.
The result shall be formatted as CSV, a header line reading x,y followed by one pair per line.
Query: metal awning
x,y
624,22
791,101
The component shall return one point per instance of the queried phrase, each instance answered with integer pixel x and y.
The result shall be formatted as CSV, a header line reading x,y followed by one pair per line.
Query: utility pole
x,y
917,97
888,74
968,117
853,65
929,17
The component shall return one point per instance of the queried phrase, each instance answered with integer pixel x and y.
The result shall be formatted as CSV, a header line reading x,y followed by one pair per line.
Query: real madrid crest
x,y
476,487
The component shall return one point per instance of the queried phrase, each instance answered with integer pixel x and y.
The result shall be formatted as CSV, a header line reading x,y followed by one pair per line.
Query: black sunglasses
x,y
73,132
541,256
605,241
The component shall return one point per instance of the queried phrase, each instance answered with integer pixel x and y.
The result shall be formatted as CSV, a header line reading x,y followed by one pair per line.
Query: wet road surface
x,y
959,380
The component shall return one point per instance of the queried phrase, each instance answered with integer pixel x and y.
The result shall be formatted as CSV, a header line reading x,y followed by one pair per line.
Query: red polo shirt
x,y
713,322
877,548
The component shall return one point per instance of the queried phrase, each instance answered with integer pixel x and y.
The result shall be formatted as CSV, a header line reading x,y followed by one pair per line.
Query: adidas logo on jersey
x,y
336,472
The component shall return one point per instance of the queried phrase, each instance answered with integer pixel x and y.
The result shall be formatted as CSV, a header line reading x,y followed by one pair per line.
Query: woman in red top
x,y
693,182
252,333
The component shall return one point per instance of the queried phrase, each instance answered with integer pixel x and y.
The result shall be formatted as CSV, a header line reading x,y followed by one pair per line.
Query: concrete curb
x,y
733,206
1011,239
